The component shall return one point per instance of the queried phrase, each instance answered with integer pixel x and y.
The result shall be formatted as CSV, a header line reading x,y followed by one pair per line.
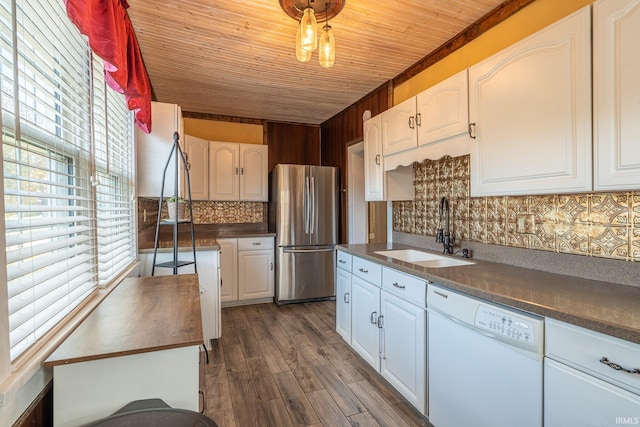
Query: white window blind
x,y
114,190
57,246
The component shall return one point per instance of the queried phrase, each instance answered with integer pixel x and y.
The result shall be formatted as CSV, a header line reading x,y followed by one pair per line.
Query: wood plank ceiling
x,y
237,58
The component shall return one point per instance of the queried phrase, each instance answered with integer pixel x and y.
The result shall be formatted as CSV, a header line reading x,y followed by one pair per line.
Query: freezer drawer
x,y
305,273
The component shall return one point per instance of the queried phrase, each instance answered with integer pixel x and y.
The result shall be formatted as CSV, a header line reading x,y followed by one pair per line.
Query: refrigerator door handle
x,y
312,194
300,251
306,203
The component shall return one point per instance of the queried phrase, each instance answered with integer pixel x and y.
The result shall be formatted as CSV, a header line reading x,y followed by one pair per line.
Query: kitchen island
x,y
141,342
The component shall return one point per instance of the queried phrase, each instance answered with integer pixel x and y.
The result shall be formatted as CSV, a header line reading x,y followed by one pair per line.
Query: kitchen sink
x,y
423,259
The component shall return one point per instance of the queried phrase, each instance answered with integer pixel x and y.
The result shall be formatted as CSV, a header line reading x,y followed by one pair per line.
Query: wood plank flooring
x,y
286,366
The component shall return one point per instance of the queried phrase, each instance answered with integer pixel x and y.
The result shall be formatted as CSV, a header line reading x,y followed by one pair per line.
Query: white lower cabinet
x,y
365,309
343,304
247,269
255,274
587,380
208,277
403,356
388,324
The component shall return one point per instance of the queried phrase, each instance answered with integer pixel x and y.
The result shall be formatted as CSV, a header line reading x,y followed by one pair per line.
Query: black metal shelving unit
x,y
175,263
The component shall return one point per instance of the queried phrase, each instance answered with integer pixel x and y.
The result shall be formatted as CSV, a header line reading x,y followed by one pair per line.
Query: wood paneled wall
x,y
339,132
292,143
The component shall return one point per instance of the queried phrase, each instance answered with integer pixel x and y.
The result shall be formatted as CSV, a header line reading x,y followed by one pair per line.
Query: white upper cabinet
x,y
443,110
153,149
197,154
399,127
238,171
530,112
254,173
616,108
224,171
373,169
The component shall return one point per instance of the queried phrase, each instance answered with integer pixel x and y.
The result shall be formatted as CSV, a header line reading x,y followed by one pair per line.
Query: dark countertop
x,y
608,308
204,239
142,314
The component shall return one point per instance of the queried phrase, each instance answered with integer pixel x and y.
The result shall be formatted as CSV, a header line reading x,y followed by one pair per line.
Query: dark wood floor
x,y
286,366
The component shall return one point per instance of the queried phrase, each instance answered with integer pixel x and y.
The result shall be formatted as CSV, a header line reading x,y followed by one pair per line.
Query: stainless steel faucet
x,y
444,236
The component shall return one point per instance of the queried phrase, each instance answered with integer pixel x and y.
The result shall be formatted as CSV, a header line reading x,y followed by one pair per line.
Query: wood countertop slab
x,y
142,314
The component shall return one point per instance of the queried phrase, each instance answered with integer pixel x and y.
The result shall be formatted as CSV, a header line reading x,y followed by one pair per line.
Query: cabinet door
x,y
255,274
443,110
373,168
573,398
343,304
404,346
616,43
153,149
224,171
399,127
209,294
254,175
228,269
365,308
197,153
531,106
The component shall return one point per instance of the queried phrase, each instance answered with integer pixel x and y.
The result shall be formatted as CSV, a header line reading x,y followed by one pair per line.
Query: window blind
x,y
114,192
61,132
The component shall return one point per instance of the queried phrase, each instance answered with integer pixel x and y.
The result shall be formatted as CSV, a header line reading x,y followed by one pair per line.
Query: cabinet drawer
x,y
344,260
583,349
369,271
405,286
255,243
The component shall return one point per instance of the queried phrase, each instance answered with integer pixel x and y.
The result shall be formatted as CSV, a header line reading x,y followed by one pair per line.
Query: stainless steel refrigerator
x,y
303,213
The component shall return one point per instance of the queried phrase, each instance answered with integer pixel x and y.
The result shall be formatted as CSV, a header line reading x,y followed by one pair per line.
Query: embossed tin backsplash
x,y
604,225
206,212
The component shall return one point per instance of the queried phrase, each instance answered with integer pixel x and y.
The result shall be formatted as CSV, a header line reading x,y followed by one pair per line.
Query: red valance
x,y
112,38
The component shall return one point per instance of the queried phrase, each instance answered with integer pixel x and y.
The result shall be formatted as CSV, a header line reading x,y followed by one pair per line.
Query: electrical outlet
x,y
525,224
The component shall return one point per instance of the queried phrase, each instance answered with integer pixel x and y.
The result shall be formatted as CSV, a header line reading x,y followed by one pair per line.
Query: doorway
x,y
373,229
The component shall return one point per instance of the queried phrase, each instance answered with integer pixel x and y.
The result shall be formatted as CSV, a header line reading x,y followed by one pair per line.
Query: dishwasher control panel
x,y
505,324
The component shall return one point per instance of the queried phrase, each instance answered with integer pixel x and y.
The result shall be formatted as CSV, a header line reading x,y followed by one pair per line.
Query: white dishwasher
x,y
485,363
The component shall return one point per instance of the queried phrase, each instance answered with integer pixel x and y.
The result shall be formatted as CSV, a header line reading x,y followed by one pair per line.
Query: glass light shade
x,y
327,53
309,30
302,55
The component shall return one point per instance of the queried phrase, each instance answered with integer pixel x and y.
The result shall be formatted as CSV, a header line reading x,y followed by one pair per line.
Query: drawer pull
x,y
341,261
256,243
617,367
395,285
374,318
362,270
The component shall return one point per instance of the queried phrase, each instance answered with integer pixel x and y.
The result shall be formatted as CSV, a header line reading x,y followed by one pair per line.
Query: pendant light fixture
x,y
327,54
305,12
309,29
302,55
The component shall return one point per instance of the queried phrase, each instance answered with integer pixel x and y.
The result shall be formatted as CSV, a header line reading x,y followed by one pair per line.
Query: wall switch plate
x,y
525,223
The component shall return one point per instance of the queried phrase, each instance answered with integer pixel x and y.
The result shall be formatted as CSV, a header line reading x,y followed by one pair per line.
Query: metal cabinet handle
x,y
241,171
411,124
418,119
617,367
236,171
271,266
472,130
341,261
380,321
256,243
373,319
345,298
378,159
396,285
381,345
362,270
